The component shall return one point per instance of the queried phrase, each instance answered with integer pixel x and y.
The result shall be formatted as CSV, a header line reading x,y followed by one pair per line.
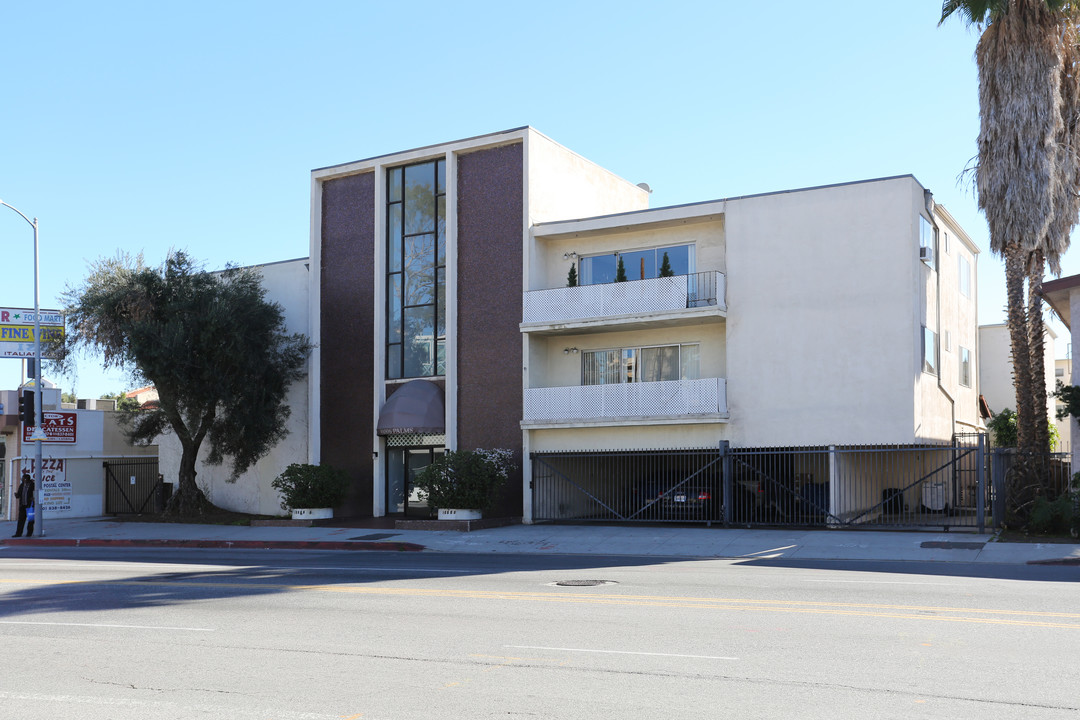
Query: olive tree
x,y
213,346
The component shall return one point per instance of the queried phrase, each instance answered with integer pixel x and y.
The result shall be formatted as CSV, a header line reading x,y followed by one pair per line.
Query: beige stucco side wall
x,y
822,332
115,443
650,437
286,283
562,184
960,313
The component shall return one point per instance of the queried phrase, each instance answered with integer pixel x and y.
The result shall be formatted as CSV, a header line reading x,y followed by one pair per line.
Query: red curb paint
x,y
226,544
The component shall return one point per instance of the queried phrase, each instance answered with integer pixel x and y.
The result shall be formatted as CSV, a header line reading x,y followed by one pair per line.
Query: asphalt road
x,y
93,633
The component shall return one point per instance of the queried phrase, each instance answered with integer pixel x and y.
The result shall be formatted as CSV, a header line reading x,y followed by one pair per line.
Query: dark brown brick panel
x,y
347,342
490,211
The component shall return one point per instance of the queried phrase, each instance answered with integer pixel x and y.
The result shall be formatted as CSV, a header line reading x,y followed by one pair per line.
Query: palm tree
x,y
1026,175
1024,59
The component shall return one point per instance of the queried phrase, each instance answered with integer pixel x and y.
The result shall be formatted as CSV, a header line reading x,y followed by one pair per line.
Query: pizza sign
x,y
59,427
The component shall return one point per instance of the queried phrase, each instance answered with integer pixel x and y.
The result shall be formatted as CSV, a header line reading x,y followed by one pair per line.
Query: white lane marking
x,y
882,582
306,568
619,652
103,625
173,709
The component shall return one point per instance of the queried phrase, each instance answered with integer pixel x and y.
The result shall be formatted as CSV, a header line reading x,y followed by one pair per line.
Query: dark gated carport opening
x,y
628,486
936,485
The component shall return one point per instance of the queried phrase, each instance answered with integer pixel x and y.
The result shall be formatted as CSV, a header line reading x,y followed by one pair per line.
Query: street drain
x,y
583,583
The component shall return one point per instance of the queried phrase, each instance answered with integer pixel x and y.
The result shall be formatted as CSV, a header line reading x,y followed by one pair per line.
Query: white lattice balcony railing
x,y
667,398
634,297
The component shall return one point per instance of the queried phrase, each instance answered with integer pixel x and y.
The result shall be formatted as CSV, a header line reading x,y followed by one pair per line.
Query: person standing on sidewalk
x,y
25,495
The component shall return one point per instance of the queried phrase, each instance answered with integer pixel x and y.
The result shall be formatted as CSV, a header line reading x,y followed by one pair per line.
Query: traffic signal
x,y
26,407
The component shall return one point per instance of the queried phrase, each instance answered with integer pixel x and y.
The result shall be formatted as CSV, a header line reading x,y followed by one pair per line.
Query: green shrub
x,y
465,479
1052,517
311,486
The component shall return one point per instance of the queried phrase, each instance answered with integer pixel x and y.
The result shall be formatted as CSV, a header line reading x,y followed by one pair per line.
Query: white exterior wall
x,y
824,344
286,283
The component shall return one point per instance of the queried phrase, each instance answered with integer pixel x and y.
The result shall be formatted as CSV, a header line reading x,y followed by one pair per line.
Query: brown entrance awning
x,y
417,407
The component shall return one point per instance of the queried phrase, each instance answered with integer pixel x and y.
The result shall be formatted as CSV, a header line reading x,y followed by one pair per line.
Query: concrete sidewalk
x,y
563,539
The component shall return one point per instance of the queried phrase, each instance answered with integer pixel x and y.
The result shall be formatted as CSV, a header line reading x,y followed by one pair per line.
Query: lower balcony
x,y
664,402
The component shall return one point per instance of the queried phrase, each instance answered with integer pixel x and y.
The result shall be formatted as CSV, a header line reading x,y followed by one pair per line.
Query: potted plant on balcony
x,y
464,484
311,492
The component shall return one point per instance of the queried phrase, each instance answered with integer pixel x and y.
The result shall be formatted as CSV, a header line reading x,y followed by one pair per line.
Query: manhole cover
x,y
375,536
583,583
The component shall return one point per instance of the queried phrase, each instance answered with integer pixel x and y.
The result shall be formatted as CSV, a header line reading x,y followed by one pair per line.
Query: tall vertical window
x,y
965,366
928,239
416,270
965,276
930,351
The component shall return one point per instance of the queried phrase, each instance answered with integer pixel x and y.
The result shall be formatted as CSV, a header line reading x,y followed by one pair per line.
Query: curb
x,y
1057,561
225,544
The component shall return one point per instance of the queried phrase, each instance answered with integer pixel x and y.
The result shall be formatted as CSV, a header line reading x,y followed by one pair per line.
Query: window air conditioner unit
x,y
926,253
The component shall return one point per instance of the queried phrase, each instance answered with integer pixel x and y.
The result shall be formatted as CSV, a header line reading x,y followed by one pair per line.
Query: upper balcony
x,y
662,301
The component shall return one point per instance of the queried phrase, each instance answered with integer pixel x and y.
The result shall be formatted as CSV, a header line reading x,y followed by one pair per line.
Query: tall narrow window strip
x,y
965,367
416,267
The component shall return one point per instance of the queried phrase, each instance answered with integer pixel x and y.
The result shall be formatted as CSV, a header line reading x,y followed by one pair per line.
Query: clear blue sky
x,y
151,126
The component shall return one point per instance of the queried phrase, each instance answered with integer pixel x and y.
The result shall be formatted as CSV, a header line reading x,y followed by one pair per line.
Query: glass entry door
x,y
402,466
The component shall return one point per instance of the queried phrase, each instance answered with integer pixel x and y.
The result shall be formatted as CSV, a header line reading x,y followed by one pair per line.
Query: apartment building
x,y
445,316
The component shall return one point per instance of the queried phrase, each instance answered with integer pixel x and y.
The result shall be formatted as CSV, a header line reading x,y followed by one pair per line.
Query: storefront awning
x,y
417,407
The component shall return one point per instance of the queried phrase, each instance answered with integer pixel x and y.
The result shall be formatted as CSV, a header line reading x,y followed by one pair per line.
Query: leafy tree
x,y
66,397
665,267
211,344
1002,429
620,271
1069,395
571,277
123,402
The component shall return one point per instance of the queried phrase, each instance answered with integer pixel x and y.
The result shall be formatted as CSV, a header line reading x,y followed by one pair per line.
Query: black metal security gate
x,y
133,485
896,486
628,486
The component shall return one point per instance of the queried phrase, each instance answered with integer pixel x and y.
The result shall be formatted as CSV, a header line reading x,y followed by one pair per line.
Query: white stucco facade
x,y
818,333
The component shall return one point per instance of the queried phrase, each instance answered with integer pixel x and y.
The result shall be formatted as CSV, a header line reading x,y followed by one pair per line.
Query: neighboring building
x,y
843,314
996,370
1063,295
286,284
74,473
1063,375
144,395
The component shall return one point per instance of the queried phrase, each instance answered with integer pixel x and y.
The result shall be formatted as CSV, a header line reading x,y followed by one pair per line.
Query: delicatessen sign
x,y
59,427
